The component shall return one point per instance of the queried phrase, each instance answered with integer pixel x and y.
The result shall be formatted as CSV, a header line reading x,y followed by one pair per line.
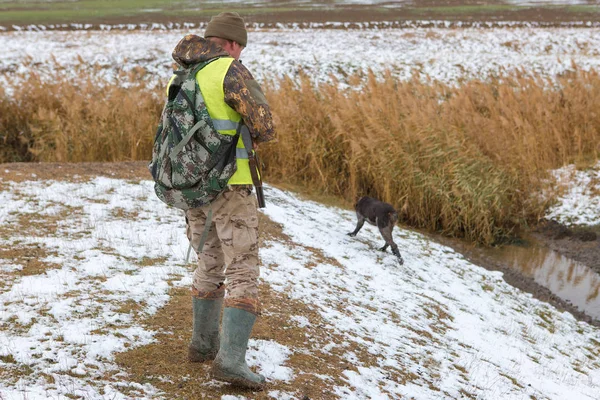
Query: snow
x,y
455,326
71,314
432,274
580,202
448,55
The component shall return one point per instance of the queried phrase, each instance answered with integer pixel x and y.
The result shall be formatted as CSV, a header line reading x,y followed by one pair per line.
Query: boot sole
x,y
237,381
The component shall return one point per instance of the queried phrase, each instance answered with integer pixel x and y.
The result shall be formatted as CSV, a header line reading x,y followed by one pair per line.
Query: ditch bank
x,y
557,264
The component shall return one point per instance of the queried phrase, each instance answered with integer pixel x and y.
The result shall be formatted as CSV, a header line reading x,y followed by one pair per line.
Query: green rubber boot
x,y
205,336
230,363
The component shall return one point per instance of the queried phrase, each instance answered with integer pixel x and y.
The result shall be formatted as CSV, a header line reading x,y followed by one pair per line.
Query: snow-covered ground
x,y
441,54
457,327
579,204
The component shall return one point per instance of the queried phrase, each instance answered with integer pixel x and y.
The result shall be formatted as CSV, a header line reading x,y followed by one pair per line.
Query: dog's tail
x,y
387,219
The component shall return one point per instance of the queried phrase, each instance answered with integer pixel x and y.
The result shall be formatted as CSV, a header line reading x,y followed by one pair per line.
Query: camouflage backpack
x,y
191,162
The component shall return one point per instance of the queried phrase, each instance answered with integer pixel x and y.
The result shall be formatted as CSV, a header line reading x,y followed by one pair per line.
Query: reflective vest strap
x,y
225,125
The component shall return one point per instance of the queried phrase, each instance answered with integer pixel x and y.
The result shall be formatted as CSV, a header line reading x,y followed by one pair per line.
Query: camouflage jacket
x,y
242,92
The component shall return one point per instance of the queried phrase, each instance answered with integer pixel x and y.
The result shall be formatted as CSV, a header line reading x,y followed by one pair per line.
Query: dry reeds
x,y
75,120
467,161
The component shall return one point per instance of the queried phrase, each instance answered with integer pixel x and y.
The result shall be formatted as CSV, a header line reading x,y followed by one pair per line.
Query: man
x,y
230,251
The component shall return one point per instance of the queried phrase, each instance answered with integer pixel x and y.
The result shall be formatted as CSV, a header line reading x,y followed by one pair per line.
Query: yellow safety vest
x,y
225,119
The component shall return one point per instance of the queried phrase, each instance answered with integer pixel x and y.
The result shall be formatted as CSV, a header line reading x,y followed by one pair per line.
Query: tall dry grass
x,y
467,161
56,119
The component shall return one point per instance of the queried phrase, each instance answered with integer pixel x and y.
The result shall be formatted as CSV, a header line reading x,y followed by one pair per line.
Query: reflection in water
x,y
564,277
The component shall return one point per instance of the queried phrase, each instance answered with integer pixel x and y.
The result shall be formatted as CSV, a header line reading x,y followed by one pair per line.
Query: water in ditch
x,y
568,279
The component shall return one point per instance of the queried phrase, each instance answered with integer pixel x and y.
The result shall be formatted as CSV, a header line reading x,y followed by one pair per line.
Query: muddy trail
x,y
517,263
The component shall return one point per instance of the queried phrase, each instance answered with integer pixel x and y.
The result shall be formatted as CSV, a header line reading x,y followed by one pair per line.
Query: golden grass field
x,y
468,161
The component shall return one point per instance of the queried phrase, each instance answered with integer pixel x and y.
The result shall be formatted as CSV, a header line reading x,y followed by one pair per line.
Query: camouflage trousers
x,y
230,253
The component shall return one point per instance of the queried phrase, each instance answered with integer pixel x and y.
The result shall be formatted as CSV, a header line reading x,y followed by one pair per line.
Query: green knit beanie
x,y
228,25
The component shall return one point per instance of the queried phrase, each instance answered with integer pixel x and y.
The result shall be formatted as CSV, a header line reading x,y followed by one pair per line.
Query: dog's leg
x,y
386,232
397,254
359,224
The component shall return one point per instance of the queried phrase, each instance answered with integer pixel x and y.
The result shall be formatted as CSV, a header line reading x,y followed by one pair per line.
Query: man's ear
x,y
234,43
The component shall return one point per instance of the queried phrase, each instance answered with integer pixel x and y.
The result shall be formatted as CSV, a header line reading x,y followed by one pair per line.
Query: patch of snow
x,y
300,320
269,357
580,202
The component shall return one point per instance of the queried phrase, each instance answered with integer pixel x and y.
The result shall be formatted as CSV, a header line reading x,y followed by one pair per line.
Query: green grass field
x,y
24,12
60,11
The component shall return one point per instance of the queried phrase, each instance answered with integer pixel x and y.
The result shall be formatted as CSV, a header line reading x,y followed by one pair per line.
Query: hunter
x,y
226,277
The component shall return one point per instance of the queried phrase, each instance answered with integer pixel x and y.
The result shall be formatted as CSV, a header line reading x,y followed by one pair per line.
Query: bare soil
x,y
78,172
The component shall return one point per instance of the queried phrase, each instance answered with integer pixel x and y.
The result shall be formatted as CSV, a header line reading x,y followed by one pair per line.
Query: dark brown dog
x,y
380,214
